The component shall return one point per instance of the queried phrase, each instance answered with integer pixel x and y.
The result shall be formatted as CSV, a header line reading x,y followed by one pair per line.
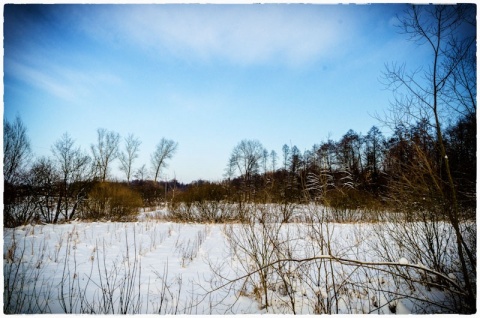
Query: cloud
x,y
39,79
60,81
244,34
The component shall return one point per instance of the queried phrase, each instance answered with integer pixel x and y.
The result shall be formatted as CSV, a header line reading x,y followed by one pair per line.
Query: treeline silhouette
x,y
358,171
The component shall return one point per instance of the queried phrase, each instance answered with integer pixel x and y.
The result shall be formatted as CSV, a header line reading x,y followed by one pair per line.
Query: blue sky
x,y
206,76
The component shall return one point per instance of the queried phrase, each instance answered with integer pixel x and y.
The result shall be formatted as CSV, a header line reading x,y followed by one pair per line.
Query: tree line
x,y
73,183
358,171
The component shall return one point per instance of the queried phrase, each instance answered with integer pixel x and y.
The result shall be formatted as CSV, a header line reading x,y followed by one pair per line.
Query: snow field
x,y
82,257
177,268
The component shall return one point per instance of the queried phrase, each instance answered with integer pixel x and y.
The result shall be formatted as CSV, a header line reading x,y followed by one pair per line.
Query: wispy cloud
x,y
61,81
244,34
39,79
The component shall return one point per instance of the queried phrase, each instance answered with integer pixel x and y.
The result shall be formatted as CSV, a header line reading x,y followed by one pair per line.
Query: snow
x,y
182,268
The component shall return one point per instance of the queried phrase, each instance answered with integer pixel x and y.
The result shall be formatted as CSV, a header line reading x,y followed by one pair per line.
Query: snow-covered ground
x,y
154,266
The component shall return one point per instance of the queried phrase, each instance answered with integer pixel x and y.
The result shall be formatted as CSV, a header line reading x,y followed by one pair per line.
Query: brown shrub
x,y
114,201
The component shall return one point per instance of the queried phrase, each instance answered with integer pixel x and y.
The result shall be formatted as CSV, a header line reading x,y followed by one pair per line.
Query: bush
x,y
19,205
201,202
152,193
114,201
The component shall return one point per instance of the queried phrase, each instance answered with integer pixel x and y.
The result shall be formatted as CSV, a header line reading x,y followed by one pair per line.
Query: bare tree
x,y
349,153
286,156
19,204
326,155
165,150
461,87
374,149
265,160
141,173
105,151
427,95
132,146
273,160
16,149
73,165
245,160
45,179
246,157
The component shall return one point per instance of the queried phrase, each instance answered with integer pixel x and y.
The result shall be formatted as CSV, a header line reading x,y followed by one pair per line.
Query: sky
x,y
205,76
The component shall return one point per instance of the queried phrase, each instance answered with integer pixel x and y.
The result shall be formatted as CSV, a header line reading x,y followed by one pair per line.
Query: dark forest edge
x,y
358,172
